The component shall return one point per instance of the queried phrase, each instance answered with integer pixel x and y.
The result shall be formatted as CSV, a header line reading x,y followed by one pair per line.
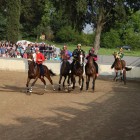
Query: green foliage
x,y
135,21
2,27
132,38
111,39
13,15
31,15
65,34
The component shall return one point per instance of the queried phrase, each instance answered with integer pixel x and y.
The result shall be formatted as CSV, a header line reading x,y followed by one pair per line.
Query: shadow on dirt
x,y
113,116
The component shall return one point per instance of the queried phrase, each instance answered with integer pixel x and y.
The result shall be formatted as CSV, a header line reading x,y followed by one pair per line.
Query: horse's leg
x,y
44,82
33,83
70,80
115,78
87,81
27,84
93,83
73,81
50,80
59,88
121,74
82,83
64,81
124,76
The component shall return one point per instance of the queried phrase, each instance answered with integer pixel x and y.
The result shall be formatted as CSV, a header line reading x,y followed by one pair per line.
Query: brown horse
x,y
34,73
120,65
78,70
64,70
90,71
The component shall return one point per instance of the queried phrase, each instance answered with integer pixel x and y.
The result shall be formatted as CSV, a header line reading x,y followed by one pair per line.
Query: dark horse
x,y
64,70
78,70
90,71
34,73
120,65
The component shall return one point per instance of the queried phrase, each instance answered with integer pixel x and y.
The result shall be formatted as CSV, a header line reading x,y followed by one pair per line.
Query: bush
x,y
111,39
65,34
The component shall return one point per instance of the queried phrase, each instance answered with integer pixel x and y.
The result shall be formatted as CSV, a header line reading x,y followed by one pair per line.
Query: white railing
x,y
21,65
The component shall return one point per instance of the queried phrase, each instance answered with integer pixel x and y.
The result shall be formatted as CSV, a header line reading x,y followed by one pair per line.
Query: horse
x,y
77,69
34,73
90,71
64,70
120,65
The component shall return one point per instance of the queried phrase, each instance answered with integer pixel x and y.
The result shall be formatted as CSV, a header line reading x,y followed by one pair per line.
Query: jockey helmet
x,y
92,49
121,49
79,45
65,47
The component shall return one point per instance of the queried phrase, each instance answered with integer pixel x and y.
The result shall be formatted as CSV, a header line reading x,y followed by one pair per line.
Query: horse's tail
x,y
52,73
127,69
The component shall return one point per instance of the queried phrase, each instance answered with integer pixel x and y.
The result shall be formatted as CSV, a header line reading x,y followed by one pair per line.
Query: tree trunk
x,y
97,38
98,31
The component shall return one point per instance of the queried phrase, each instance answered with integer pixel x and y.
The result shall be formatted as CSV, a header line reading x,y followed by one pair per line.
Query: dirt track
x,y
112,112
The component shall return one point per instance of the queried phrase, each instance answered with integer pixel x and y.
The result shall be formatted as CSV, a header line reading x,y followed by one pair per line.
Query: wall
x,y
21,65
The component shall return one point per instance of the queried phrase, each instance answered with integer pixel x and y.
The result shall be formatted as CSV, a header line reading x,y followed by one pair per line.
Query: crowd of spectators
x,y
20,50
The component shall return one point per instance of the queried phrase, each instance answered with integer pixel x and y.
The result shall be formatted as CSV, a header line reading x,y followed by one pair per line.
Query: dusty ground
x,y
112,112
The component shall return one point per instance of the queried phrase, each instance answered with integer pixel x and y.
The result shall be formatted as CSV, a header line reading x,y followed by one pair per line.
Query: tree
x,y
3,19
102,13
13,16
31,14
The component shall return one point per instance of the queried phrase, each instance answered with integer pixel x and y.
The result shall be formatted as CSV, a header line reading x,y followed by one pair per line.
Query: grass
x,y
102,51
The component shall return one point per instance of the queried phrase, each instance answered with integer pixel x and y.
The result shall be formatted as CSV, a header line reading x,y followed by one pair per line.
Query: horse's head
x,y
115,54
90,60
29,56
81,58
31,63
62,54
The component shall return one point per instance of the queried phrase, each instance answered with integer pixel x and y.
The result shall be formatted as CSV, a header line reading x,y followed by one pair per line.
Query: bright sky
x,y
88,29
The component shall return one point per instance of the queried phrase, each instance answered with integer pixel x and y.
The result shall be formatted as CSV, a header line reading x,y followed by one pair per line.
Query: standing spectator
x,y
28,49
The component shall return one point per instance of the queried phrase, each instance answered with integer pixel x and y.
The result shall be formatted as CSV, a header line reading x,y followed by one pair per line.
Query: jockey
x,y
67,54
76,53
119,55
92,53
39,60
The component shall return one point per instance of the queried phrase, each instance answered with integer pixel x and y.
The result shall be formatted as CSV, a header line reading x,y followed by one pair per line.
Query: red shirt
x,y
40,58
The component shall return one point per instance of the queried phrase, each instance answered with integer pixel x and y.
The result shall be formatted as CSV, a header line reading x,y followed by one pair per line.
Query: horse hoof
x,y
30,91
70,86
66,90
